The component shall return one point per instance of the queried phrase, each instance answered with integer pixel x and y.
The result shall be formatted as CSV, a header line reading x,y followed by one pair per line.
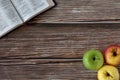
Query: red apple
x,y
112,55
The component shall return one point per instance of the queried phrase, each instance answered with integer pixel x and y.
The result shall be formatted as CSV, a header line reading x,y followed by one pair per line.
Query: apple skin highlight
x,y
112,55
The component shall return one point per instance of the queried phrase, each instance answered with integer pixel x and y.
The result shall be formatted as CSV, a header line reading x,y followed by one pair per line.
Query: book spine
x,y
17,11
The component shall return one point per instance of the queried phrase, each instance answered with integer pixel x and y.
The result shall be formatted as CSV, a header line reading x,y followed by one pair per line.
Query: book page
x,y
29,8
9,19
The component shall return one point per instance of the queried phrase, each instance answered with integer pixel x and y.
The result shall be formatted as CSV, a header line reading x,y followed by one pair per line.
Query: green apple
x,y
93,59
108,72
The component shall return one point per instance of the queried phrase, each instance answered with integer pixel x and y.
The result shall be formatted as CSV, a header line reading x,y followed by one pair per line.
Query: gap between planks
x,y
13,62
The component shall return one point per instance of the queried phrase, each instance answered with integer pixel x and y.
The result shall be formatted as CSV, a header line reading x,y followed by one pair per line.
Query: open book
x,y
14,13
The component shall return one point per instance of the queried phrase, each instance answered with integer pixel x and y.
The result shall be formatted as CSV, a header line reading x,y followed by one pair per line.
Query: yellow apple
x,y
108,72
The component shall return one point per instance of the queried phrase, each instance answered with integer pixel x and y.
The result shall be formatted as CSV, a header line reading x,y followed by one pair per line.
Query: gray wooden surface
x,y
79,11
53,51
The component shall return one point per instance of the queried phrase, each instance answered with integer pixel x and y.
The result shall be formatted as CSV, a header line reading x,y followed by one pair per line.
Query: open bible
x,y
14,13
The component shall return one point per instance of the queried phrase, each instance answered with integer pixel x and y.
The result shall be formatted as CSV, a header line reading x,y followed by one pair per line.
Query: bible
x,y
14,13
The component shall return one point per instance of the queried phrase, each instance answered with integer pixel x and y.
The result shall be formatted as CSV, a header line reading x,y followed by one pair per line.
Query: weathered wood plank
x,y
57,71
49,71
45,41
80,11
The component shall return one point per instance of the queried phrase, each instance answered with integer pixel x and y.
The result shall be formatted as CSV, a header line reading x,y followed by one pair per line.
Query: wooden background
x,y
42,49
82,11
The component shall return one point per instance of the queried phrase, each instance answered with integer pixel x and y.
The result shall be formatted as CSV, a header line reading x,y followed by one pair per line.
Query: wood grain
x,y
56,71
48,41
81,11
49,71
53,51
